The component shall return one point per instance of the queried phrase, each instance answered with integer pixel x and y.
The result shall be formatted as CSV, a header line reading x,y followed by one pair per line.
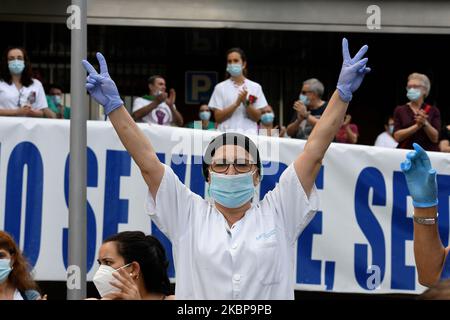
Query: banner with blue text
x,y
360,241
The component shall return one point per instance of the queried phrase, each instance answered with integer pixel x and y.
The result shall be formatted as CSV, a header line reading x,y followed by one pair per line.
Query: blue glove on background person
x,y
352,72
101,87
420,178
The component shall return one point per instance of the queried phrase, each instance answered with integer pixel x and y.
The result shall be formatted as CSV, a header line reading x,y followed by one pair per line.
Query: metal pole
x,y
76,277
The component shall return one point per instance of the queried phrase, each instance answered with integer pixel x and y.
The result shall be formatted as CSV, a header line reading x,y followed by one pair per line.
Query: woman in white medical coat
x,y
232,247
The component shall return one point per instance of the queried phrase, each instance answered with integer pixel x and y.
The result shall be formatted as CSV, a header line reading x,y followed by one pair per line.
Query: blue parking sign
x,y
199,86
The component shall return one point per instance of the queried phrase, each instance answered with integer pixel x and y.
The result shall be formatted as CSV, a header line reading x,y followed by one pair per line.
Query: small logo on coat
x,y
266,235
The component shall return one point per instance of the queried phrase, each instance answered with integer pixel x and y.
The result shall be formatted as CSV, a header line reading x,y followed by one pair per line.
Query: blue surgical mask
x,y
391,129
413,94
304,99
56,99
267,118
5,269
16,66
205,115
234,69
232,191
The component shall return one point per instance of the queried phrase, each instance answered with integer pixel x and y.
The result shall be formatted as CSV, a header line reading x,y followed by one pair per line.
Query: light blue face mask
x,y
16,66
304,99
232,191
234,69
267,118
205,115
391,129
413,94
56,99
5,269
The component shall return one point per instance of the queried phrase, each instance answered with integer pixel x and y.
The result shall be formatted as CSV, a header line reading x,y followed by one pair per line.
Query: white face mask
x,y
103,277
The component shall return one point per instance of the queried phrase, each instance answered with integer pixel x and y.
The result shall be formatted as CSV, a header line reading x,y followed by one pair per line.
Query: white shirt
x,y
17,295
160,115
254,259
225,94
385,140
12,98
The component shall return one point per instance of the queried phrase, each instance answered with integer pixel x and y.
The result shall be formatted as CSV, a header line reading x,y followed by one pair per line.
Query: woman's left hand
x,y
127,286
352,72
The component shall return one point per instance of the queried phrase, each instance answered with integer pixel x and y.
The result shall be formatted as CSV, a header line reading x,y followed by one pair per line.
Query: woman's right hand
x,y
23,111
127,286
101,87
242,96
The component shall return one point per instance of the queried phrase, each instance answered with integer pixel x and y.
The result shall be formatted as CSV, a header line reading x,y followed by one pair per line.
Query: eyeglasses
x,y
241,166
306,92
414,86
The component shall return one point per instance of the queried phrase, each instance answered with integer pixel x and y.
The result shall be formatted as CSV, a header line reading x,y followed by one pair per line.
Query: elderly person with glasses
x,y
308,109
417,121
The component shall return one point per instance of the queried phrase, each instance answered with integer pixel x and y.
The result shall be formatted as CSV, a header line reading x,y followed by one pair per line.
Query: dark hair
x,y
230,138
387,118
152,79
20,276
135,246
55,86
241,53
27,73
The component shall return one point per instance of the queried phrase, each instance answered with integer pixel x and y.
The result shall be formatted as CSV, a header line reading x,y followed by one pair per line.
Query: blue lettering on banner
x,y
369,178
444,192
403,276
91,181
25,154
269,181
197,184
118,164
161,237
309,270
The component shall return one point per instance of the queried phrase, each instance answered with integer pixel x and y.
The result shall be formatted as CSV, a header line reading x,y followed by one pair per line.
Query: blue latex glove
x,y
101,87
352,72
420,177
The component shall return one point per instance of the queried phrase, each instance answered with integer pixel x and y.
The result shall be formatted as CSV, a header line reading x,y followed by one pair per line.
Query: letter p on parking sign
x,y
199,86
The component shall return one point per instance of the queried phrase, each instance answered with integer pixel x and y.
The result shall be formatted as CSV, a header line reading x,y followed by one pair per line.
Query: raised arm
x,y
307,164
429,252
103,89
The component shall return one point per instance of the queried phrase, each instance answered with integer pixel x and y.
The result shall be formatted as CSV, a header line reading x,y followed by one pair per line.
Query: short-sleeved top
x,y
12,98
444,134
254,259
342,136
52,106
305,127
17,295
198,125
385,140
404,118
225,94
160,115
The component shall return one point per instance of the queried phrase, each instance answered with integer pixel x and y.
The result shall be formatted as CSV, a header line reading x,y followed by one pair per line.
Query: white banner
x,y
360,241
